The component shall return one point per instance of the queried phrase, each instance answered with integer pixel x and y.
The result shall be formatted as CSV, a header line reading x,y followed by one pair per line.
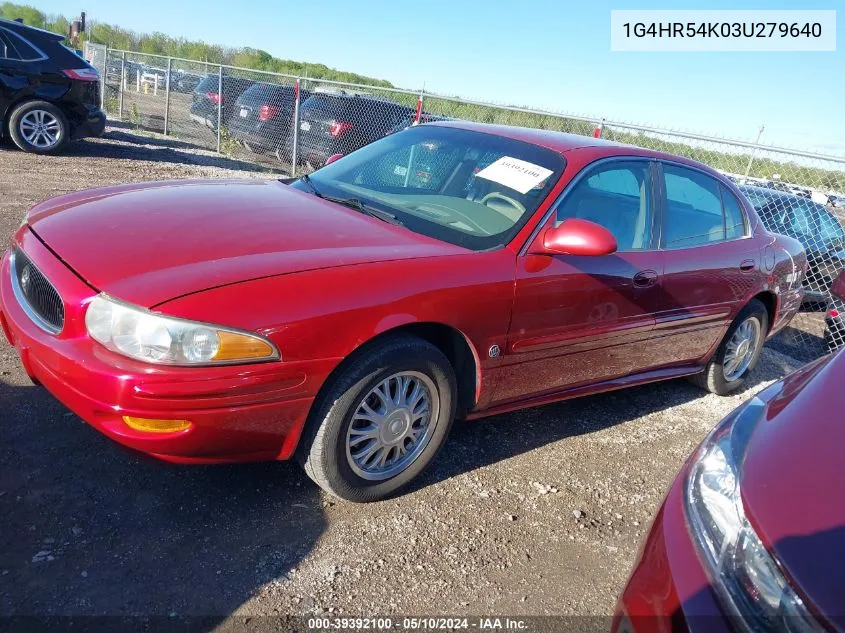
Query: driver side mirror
x,y
576,237
333,158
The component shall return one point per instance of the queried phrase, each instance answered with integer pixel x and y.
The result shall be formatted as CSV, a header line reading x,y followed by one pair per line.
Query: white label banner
x,y
723,30
517,174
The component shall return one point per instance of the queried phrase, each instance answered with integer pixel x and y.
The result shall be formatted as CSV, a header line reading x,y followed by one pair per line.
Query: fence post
x,y
294,153
122,85
219,104
103,79
167,95
754,149
419,109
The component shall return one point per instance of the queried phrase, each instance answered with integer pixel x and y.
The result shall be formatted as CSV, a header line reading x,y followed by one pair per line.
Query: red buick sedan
x,y
751,535
346,319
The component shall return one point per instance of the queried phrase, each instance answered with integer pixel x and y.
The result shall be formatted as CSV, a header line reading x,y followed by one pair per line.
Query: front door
x,y
580,320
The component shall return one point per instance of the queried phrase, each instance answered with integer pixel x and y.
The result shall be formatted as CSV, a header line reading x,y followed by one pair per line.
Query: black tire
x,y
61,129
322,449
713,377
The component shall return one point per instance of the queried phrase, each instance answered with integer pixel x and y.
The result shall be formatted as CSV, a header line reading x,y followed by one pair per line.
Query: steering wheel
x,y
495,195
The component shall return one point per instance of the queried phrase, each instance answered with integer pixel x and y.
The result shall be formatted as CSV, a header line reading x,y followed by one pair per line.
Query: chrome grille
x,y
36,294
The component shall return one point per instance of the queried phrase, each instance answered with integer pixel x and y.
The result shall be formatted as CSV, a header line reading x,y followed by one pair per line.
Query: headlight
x,y
154,338
746,576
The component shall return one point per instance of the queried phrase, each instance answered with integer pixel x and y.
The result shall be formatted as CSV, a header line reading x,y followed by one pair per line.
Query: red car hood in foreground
x,y
148,243
793,478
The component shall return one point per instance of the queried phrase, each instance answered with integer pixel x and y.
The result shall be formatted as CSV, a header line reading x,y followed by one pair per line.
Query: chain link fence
x,y
296,124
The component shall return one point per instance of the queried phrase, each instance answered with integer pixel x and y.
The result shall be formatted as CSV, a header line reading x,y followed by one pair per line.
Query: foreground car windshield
x,y
468,188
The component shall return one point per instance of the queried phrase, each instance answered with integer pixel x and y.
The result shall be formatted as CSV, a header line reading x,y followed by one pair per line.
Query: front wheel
x,y
38,127
381,420
738,352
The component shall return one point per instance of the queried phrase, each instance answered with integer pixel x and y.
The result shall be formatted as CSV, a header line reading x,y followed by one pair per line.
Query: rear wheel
x,y
738,352
38,127
381,421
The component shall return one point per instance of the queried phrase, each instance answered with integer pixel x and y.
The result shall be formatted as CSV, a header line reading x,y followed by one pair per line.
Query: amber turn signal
x,y
156,426
235,346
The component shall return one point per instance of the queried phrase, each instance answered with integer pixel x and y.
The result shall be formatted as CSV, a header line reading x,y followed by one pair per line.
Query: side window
x,y
734,217
693,209
618,197
7,50
801,219
17,47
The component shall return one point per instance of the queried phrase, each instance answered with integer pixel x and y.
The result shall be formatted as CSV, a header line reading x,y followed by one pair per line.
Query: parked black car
x,y
263,116
810,223
340,123
183,81
48,94
207,98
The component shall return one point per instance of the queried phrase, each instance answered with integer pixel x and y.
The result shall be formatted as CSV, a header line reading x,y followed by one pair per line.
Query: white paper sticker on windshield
x,y
519,175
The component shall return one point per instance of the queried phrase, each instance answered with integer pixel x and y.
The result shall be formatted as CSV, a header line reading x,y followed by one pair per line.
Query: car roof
x,y
563,142
26,29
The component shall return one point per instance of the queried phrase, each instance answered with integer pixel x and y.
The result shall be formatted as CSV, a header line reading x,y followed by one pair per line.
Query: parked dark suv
x,y
340,123
263,115
814,226
207,97
48,94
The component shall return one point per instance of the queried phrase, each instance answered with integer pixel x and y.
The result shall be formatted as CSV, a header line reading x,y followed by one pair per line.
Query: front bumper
x,y
669,589
237,413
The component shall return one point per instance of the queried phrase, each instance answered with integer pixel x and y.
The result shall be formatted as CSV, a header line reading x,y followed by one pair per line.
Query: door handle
x,y
645,278
748,265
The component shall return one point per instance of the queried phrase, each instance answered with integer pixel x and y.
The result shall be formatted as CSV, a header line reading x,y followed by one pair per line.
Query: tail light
x,y
833,313
337,128
268,111
83,74
214,97
837,289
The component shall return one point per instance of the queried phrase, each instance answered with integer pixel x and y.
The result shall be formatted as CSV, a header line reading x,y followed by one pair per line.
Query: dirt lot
x,y
88,529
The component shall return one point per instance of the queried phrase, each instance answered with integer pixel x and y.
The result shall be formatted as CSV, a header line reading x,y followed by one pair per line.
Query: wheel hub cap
x,y
40,128
741,349
392,425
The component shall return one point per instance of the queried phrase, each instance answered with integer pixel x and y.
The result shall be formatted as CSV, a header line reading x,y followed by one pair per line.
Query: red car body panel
x,y
225,232
791,497
791,483
320,280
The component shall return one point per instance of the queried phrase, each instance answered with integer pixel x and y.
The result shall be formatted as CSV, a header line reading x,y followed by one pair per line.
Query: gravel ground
x,y
537,512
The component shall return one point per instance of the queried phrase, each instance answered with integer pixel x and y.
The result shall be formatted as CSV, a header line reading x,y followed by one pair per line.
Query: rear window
x,y
210,82
269,92
327,105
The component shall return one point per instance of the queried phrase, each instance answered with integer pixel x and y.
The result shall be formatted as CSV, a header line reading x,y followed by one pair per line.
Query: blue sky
x,y
552,54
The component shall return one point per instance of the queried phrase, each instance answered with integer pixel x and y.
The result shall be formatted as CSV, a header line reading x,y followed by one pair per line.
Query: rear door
x,y
20,67
583,320
711,263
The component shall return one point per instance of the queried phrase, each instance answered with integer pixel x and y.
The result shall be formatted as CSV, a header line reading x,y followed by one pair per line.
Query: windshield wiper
x,y
307,180
354,203
366,209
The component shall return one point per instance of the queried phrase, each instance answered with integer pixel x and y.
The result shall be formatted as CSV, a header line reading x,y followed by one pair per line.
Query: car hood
x,y
792,482
149,243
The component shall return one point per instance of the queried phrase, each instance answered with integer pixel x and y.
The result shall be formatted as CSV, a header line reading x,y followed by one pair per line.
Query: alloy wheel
x,y
392,425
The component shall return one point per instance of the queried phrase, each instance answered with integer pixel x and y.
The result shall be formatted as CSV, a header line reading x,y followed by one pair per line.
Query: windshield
x,y
467,188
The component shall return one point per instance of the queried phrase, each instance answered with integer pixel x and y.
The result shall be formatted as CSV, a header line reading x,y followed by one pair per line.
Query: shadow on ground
x,y
87,529
131,144
480,443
